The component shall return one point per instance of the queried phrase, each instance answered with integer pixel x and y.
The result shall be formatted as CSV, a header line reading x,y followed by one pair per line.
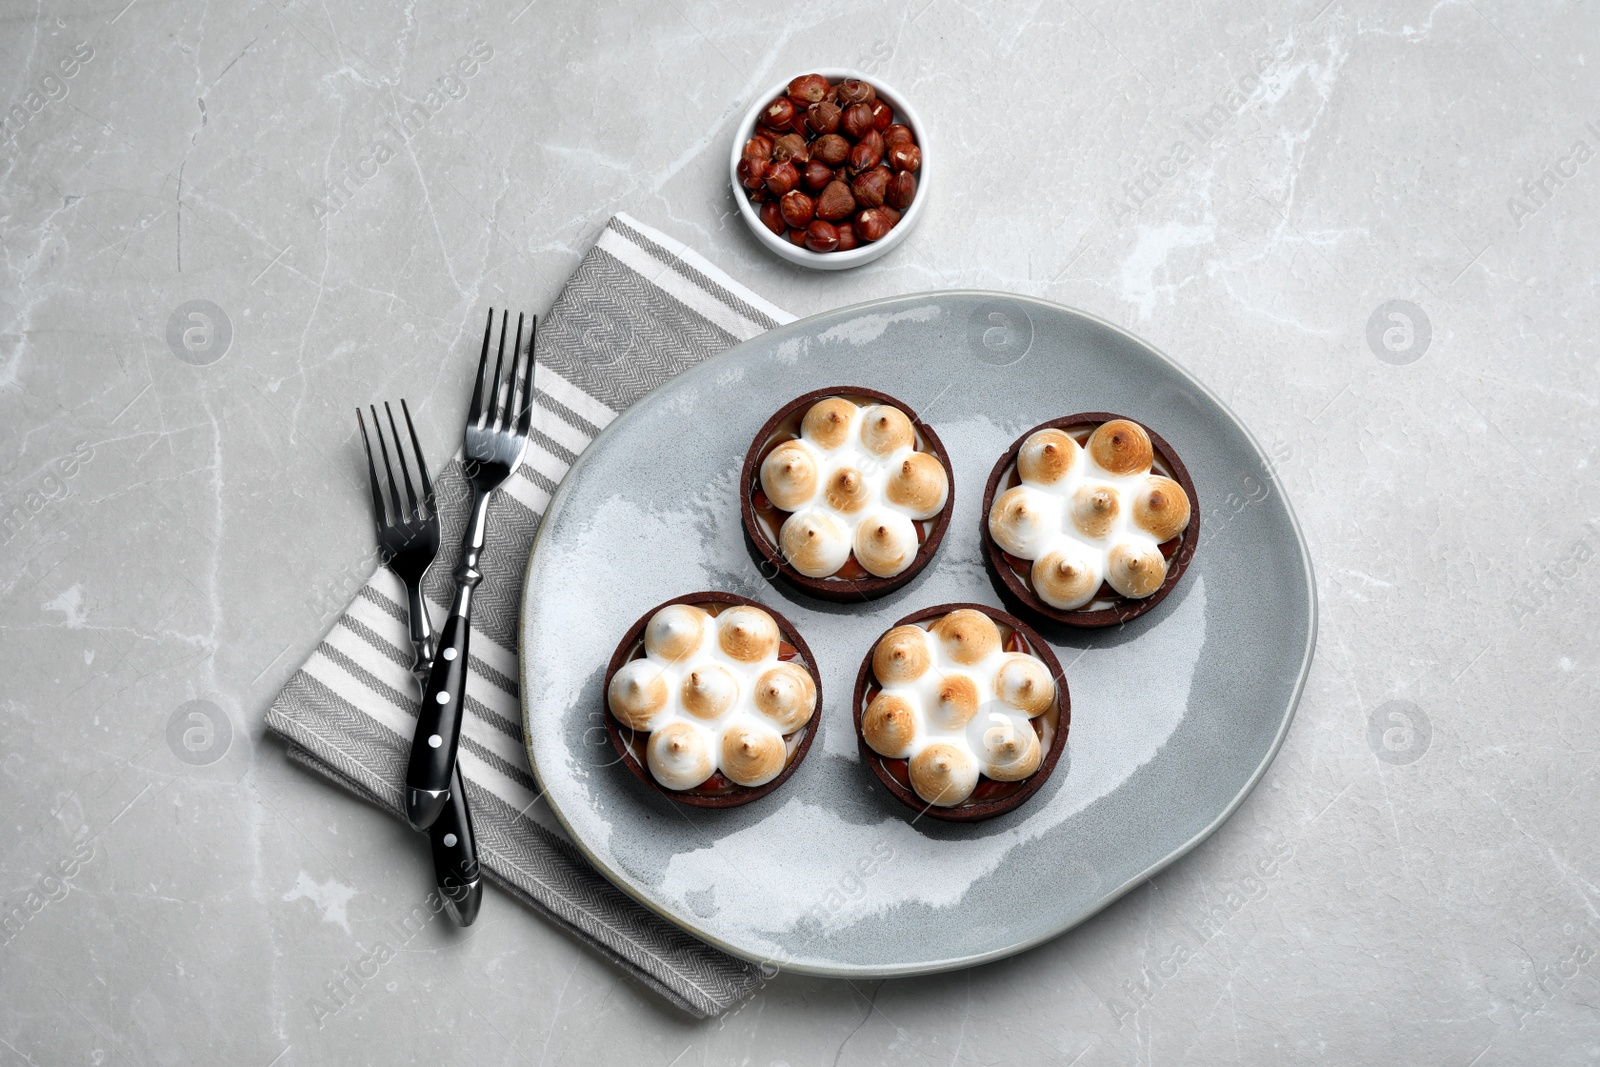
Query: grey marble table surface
x,y
1370,227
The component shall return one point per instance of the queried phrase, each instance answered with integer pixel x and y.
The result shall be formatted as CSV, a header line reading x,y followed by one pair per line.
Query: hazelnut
x,y
802,120
868,152
772,217
822,236
869,188
816,175
897,133
835,202
781,178
797,237
871,225
847,237
856,91
778,114
797,209
753,172
790,148
905,157
809,87
882,115
758,147
824,117
831,149
857,119
902,190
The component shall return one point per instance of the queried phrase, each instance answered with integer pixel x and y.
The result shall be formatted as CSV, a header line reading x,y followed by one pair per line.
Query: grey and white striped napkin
x,y
640,308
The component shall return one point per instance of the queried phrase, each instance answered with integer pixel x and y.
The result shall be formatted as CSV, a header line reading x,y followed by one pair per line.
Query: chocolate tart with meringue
x,y
961,711
712,699
846,493
1090,520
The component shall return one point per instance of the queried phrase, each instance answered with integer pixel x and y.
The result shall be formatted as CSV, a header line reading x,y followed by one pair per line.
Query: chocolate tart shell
x,y
741,794
981,810
1126,608
838,589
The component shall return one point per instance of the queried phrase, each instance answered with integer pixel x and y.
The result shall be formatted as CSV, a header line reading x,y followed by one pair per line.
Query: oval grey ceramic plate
x,y
1174,716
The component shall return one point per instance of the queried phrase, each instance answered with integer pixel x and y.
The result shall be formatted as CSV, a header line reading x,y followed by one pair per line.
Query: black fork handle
x,y
433,746
455,851
455,856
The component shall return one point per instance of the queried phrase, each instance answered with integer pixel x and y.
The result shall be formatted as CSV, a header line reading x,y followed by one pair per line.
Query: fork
x,y
495,439
408,541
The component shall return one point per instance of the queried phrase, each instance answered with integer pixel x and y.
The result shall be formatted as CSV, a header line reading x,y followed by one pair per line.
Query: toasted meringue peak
x,y
638,693
889,725
679,755
1121,447
708,691
1047,456
901,655
789,476
943,774
675,632
752,754
747,633
1161,508
1022,520
814,542
828,422
966,636
846,490
1024,683
1135,570
1094,509
886,543
885,428
1009,750
955,702
786,694
920,484
1065,578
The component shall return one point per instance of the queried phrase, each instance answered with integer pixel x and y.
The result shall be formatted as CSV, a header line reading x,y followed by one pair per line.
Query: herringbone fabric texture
x,y
639,309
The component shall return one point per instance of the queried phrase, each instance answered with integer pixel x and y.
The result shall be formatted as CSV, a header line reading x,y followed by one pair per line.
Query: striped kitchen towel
x,y
640,308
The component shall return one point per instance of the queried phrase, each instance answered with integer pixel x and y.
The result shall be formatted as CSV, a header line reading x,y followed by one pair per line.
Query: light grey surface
x,y
1174,716
1435,910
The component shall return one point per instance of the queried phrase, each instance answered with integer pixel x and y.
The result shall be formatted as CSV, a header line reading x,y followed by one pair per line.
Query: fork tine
x,y
475,412
505,413
394,490
492,413
525,413
400,451
372,472
422,464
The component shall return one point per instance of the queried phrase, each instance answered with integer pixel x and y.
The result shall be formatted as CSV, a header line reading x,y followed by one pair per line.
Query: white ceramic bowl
x,y
862,253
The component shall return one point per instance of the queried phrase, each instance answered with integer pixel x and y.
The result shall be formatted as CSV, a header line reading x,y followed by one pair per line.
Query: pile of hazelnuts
x,y
828,167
